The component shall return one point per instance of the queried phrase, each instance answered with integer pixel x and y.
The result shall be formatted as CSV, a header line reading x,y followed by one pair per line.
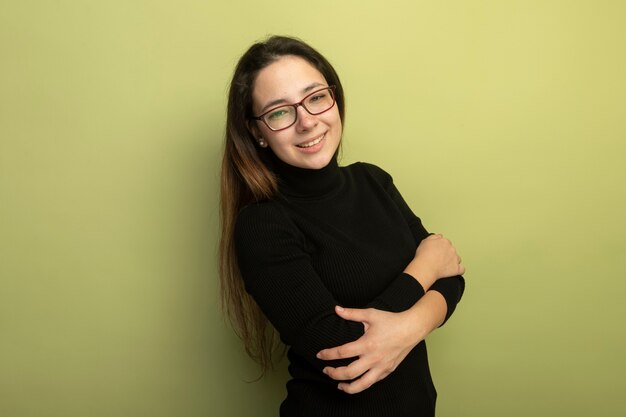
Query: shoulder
x,y
265,233
262,221
258,210
259,214
371,171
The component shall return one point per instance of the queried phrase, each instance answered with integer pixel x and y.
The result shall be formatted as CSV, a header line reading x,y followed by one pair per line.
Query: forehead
x,y
286,78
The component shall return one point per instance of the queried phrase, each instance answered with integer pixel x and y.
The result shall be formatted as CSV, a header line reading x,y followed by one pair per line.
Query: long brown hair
x,y
246,178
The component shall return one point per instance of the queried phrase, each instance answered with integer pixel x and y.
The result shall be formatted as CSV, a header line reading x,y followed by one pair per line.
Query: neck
x,y
302,182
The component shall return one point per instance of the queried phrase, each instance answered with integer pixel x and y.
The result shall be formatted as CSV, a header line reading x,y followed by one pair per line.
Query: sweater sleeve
x,y
400,294
451,288
278,274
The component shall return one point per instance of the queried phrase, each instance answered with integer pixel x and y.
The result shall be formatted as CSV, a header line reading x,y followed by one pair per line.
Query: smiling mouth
x,y
312,143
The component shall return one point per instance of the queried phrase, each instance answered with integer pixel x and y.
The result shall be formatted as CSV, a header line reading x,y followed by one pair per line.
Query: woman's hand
x,y
435,258
388,338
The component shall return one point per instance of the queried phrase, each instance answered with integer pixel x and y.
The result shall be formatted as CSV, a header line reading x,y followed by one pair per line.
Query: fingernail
x,y
340,387
325,370
339,308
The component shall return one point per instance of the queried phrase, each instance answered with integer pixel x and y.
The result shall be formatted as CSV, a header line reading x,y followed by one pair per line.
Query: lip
x,y
312,148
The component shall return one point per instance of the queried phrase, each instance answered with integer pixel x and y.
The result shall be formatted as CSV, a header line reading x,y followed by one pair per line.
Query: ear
x,y
253,128
256,133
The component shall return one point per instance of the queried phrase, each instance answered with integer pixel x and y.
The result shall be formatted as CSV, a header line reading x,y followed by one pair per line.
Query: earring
x,y
261,142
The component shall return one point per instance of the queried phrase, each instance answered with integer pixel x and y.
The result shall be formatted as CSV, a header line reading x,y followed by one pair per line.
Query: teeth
x,y
312,143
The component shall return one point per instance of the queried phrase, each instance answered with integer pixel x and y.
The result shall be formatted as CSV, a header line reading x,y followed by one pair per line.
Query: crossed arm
x,y
305,314
389,337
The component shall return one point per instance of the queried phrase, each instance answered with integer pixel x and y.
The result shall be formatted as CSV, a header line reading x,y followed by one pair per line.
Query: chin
x,y
318,163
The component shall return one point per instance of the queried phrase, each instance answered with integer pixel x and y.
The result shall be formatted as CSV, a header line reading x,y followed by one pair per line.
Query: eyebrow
x,y
283,101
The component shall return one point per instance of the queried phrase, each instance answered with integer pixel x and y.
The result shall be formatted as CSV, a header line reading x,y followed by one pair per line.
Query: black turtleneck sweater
x,y
337,236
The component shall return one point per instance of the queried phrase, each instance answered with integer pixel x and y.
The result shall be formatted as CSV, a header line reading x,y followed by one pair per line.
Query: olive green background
x,y
502,122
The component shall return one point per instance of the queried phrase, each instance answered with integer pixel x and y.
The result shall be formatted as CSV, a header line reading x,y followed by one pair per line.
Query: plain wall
x,y
502,122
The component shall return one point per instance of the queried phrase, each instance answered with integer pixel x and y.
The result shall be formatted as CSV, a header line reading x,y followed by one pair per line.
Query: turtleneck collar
x,y
307,183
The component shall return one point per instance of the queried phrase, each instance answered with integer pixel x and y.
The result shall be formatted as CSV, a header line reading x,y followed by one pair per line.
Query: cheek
x,y
337,117
276,140
336,123
268,134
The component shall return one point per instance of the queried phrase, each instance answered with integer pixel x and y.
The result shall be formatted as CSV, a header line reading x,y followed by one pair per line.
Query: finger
x,y
353,314
361,384
461,270
348,350
346,373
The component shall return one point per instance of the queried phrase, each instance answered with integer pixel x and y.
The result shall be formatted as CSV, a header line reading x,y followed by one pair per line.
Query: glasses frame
x,y
261,117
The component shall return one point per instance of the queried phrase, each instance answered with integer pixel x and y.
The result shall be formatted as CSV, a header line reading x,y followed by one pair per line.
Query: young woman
x,y
331,256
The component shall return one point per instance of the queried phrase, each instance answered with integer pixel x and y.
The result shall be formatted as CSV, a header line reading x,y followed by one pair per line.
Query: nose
x,y
306,120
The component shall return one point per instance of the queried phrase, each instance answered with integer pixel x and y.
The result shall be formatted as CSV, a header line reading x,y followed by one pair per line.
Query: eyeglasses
x,y
282,117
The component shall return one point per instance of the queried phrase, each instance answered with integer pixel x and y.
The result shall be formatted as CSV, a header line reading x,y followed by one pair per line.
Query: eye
x,y
319,96
277,114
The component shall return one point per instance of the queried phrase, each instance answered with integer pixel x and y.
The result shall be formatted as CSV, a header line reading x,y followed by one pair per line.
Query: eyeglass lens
x,y
315,103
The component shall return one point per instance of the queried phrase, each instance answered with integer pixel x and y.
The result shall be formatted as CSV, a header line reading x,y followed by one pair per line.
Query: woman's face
x,y
311,141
